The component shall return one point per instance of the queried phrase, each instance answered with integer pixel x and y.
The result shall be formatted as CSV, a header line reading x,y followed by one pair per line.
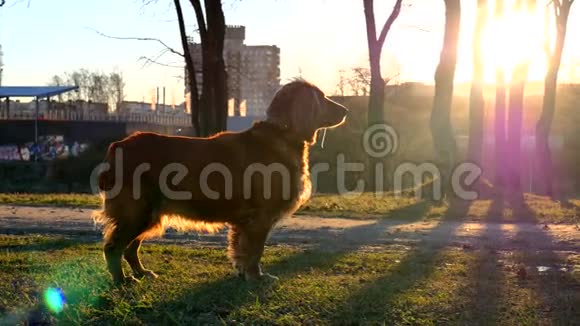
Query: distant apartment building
x,y
1,64
253,72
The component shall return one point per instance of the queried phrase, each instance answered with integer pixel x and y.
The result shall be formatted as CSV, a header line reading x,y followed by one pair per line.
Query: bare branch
x,y
170,49
149,61
419,28
14,3
394,14
155,60
200,20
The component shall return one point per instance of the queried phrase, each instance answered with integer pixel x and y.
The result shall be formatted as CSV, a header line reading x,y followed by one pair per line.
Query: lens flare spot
x,y
54,299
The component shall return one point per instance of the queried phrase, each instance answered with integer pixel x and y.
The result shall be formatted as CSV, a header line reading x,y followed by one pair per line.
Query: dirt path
x,y
325,233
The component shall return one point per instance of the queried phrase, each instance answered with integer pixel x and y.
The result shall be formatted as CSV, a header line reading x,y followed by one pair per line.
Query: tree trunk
x,y
500,119
377,166
192,82
500,130
441,129
543,152
214,98
217,29
376,112
515,121
476,101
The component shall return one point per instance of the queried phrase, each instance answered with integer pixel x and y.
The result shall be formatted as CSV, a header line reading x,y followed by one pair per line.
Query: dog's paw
x,y
126,281
262,277
269,277
239,269
147,274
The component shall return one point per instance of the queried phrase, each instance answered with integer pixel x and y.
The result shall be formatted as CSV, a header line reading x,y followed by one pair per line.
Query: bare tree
x,y
57,81
116,89
341,85
441,128
99,87
214,97
543,153
500,117
190,69
208,110
77,78
476,101
93,86
376,112
362,77
515,111
354,85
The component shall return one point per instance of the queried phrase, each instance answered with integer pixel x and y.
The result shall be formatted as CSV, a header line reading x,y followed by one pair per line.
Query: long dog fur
x,y
141,209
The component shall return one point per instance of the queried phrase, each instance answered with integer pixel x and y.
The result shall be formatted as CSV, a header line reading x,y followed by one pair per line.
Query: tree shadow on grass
x,y
556,286
486,278
378,300
375,301
213,302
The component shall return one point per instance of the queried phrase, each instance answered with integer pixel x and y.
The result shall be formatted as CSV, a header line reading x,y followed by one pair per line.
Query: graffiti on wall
x,y
49,148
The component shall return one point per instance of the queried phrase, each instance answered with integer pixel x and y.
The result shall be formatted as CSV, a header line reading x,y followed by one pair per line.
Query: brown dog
x,y
248,180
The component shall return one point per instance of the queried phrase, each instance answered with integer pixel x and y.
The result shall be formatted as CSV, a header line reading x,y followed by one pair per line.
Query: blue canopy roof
x,y
34,91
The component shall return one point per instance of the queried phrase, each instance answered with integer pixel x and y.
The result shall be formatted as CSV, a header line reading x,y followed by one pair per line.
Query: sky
x,y
317,38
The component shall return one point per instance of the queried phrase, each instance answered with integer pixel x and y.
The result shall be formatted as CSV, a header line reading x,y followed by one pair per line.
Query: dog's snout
x,y
345,111
336,113
337,107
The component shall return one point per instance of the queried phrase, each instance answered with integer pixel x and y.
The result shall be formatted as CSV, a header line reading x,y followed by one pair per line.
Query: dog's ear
x,y
306,110
297,107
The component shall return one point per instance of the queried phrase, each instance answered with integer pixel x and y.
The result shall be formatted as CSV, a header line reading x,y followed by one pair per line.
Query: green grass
x,y
367,205
58,200
196,286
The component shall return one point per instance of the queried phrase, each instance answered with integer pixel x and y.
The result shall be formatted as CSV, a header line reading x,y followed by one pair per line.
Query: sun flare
x,y
514,38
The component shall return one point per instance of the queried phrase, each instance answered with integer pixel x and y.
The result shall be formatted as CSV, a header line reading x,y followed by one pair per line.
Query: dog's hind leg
x,y
132,218
131,255
114,247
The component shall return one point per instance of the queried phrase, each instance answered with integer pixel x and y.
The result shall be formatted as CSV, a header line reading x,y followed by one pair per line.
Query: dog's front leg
x,y
246,249
252,241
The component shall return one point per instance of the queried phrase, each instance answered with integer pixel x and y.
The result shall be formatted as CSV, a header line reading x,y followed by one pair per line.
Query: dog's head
x,y
304,109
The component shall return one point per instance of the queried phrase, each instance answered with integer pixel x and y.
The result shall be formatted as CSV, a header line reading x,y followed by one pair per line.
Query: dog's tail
x,y
107,178
106,182
104,220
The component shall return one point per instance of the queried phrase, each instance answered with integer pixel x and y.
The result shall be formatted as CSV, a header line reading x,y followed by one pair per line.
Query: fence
x,y
69,115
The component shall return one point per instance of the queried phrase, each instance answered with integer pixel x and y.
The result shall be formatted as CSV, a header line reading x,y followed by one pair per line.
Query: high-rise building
x,y
253,72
